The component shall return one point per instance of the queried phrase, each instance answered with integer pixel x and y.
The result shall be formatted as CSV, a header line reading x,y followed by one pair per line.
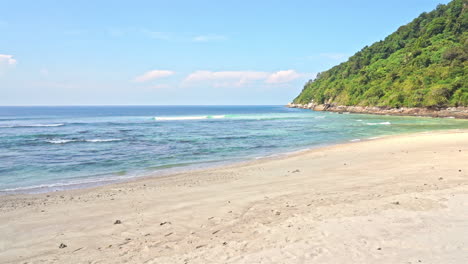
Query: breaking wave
x,y
64,141
381,123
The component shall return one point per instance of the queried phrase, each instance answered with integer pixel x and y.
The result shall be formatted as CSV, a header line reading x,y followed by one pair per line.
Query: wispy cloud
x,y
241,78
208,38
154,74
283,76
7,60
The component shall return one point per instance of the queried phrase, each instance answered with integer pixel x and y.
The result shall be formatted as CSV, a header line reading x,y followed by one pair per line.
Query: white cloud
x,y
283,76
208,38
151,75
241,78
7,60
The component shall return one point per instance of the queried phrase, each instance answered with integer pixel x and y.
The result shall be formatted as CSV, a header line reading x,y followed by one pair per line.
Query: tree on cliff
x,y
422,64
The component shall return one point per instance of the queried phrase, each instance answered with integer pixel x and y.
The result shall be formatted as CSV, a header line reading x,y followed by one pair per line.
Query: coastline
x,y
450,112
141,147
289,208
194,168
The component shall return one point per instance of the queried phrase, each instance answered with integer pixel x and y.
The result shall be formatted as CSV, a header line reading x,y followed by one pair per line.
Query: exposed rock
x,y
117,222
449,112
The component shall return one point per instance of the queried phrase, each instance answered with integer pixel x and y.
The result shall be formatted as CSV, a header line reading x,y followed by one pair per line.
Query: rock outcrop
x,y
453,112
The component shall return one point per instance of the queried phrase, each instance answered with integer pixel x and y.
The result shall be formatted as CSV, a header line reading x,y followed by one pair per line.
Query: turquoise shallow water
x,y
54,148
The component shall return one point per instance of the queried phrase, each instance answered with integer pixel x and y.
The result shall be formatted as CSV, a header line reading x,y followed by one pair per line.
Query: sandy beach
x,y
399,199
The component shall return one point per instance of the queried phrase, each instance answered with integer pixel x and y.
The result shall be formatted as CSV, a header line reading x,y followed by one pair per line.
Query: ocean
x,y
54,148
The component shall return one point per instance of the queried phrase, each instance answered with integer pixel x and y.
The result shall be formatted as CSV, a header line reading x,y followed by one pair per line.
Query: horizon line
x,y
72,105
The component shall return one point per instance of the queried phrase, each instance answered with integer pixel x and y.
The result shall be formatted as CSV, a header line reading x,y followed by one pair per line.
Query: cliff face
x,y
424,64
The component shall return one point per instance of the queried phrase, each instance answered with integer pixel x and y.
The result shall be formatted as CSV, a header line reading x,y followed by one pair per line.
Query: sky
x,y
182,52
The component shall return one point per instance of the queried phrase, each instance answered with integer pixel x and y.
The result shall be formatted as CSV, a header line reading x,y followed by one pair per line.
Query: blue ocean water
x,y
54,148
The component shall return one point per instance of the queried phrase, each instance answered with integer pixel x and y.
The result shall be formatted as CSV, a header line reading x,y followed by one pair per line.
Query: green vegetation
x,y
422,64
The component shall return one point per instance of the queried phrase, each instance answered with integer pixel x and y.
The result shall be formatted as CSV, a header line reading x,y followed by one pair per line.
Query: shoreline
x,y
204,168
395,199
449,112
207,170
195,168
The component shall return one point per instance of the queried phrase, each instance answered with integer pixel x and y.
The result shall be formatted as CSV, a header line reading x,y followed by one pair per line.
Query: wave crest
x,y
381,123
64,141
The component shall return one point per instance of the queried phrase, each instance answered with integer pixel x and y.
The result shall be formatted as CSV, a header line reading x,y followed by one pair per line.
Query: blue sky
x,y
182,52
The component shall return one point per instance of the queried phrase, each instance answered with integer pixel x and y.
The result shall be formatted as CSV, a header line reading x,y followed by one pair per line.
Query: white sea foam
x,y
381,123
64,141
355,140
40,186
68,184
60,141
189,117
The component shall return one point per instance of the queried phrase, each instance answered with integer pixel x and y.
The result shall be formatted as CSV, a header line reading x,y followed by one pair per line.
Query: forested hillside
x,y
422,64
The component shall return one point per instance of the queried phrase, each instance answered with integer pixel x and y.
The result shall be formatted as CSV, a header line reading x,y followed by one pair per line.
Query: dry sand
x,y
401,199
